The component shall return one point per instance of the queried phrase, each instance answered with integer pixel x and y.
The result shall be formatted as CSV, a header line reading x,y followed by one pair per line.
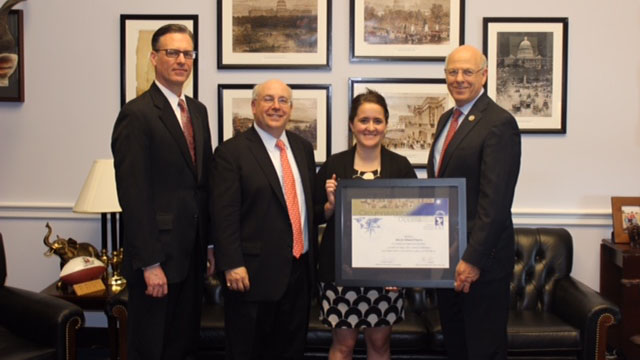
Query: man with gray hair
x,y
479,141
265,237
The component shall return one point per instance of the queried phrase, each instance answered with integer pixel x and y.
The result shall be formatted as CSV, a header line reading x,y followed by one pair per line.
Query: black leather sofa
x,y
553,315
34,325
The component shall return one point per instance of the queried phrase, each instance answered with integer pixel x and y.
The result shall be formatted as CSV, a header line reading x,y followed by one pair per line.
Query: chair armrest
x,y
41,318
585,309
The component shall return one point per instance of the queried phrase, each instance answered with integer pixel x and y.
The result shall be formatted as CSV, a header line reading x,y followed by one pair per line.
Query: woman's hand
x,y
330,186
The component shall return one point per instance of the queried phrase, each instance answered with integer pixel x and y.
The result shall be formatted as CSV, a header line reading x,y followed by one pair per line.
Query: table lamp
x,y
99,196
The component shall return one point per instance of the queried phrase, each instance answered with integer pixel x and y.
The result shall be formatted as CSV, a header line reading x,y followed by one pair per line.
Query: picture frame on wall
x,y
416,30
12,61
136,71
527,62
283,34
626,213
415,105
310,114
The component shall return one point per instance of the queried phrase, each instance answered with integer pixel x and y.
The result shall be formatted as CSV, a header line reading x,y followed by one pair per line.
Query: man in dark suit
x,y
264,231
485,150
161,146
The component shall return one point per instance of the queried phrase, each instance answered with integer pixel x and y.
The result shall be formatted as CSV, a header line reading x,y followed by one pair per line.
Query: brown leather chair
x,y
34,325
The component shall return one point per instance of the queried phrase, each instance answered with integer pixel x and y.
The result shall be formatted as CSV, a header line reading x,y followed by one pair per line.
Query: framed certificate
x,y
400,232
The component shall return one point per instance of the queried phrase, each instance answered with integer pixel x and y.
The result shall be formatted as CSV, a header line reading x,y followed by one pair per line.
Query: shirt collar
x,y
173,98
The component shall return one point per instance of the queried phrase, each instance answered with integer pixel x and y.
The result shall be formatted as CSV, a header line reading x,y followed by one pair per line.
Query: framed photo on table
x,y
417,30
254,34
136,71
415,105
310,115
12,60
527,61
626,213
400,232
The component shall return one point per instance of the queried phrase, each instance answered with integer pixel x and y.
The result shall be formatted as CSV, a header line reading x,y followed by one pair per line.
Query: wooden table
x,y
620,283
90,302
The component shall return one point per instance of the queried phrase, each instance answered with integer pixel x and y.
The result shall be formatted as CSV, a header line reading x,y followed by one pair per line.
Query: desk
x,y
91,302
620,282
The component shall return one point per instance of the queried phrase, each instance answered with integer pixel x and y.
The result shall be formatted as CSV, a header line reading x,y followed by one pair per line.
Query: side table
x,y
620,282
90,302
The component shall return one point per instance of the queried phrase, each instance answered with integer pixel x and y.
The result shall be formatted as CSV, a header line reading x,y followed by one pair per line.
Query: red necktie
x,y
187,128
291,196
453,126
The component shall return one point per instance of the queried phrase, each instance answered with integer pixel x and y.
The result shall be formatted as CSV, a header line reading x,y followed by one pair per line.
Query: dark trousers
x,y
270,329
167,327
474,325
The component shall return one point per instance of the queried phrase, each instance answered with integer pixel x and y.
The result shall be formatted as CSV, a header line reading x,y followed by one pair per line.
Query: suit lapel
x,y
168,118
198,134
464,129
259,152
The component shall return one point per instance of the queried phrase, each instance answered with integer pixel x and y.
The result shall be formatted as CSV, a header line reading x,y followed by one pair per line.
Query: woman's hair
x,y
371,96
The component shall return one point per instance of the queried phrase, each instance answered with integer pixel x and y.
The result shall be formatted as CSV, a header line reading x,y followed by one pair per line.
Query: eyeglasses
x,y
467,73
282,101
174,53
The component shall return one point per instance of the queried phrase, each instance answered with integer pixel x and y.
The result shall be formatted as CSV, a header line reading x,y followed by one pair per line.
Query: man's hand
x,y
465,275
237,279
156,281
212,262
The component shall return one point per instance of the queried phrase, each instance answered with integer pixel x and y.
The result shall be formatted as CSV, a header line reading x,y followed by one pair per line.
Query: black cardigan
x,y
392,165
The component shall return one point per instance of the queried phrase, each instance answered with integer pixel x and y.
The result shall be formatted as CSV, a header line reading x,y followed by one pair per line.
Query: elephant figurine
x,y
67,249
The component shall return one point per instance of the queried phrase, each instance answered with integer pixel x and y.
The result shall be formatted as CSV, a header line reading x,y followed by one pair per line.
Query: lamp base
x,y
117,283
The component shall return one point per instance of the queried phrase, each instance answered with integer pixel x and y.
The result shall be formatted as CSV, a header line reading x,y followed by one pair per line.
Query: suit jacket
x,y
252,226
485,150
163,195
392,165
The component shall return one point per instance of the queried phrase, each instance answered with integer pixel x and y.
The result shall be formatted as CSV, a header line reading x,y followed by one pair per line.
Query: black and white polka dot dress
x,y
360,307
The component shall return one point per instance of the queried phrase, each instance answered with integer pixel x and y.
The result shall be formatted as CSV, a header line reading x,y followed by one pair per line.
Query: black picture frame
x,y
405,35
415,105
136,71
12,83
234,114
308,34
396,254
527,62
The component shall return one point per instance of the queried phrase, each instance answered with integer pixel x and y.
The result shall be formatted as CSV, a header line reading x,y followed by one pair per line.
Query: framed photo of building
x,y
527,61
136,71
400,232
626,214
405,30
12,60
278,34
415,105
310,114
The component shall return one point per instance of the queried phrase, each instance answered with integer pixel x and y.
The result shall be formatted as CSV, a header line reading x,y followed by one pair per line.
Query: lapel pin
x,y
472,117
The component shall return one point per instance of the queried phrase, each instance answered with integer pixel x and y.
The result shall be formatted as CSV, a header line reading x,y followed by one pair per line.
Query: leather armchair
x,y
34,325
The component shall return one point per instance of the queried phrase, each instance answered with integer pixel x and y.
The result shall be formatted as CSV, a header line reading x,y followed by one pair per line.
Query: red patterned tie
x,y
452,129
187,128
291,196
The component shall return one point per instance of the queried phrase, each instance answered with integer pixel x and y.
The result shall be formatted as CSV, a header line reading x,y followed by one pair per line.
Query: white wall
x,y
72,59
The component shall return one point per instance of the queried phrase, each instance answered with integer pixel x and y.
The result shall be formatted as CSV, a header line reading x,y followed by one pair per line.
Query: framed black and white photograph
x,y
310,114
405,30
415,105
136,71
278,34
400,232
527,61
12,60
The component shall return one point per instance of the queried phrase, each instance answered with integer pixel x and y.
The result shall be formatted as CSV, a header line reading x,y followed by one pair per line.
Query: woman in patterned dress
x,y
348,309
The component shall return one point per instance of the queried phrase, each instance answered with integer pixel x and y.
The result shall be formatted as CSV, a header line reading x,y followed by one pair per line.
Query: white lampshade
x,y
99,193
